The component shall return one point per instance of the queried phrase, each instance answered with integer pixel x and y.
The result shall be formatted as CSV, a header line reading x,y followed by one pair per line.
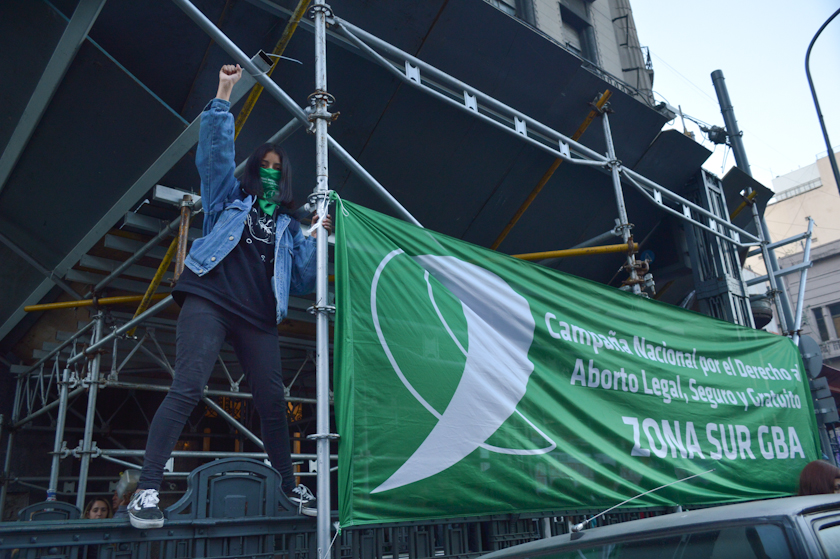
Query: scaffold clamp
x,y
315,309
321,436
325,9
319,101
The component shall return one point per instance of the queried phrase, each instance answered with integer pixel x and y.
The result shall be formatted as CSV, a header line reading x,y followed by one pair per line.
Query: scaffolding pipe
x,y
49,407
142,252
254,96
230,419
736,141
630,174
283,98
603,237
59,435
123,463
783,272
10,443
122,329
596,161
90,416
321,100
607,249
211,454
623,224
748,200
89,303
803,277
354,33
783,242
207,392
57,350
632,178
550,173
153,285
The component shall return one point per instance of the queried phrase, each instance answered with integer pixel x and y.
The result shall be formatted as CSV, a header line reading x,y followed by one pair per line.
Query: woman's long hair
x,y
817,478
252,184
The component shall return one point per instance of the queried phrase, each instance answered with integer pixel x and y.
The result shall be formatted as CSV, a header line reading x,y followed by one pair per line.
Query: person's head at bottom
x,y
819,478
97,509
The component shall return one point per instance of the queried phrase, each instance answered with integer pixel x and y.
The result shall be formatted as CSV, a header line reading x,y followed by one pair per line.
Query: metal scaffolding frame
x,y
76,365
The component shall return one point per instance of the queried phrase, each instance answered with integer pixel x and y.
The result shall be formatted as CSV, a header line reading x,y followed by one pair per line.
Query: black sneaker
x,y
143,511
304,499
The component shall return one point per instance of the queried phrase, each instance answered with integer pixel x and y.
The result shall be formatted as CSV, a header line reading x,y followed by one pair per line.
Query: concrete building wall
x,y
819,200
809,191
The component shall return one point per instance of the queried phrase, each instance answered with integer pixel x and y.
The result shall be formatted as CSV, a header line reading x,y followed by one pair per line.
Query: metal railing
x,y
289,537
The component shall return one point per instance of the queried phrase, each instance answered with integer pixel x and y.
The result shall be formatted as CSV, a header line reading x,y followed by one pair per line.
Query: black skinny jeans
x,y
202,328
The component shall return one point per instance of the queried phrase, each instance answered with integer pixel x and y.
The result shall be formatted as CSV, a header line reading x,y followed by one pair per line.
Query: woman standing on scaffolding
x,y
235,287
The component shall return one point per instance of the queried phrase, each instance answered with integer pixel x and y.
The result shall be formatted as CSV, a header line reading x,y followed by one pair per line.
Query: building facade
x,y
601,32
810,192
821,313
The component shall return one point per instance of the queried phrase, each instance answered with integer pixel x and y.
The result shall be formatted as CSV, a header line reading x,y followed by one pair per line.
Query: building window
x,y
821,327
795,191
834,311
579,33
504,6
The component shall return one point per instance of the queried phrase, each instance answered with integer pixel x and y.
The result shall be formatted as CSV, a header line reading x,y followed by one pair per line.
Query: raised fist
x,y
229,74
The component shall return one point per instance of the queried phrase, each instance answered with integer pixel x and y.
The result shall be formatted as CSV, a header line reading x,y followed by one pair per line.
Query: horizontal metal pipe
x,y
630,175
781,243
225,393
352,32
129,465
780,273
209,454
607,249
680,199
597,159
174,224
90,302
123,329
52,405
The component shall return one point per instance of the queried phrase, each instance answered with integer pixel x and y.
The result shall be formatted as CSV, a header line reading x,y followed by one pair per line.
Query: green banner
x,y
471,383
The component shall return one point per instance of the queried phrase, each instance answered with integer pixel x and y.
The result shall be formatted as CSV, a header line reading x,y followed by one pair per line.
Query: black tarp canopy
x,y
147,70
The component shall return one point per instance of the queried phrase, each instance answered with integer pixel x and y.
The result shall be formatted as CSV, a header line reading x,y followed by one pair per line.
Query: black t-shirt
x,y
241,282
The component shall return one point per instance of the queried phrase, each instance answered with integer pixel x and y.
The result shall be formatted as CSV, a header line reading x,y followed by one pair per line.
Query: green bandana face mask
x,y
270,182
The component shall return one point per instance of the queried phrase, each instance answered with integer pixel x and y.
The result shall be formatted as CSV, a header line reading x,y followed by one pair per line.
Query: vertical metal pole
x,y
803,277
90,416
624,225
831,159
7,466
52,488
780,296
322,381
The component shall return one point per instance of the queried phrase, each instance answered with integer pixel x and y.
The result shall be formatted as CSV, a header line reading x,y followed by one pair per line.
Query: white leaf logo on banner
x,y
500,329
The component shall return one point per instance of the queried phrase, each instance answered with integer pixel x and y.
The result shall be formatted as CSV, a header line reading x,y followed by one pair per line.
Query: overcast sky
x,y
760,46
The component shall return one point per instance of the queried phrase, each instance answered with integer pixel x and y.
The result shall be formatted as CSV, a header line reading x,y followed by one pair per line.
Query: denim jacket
x,y
226,209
